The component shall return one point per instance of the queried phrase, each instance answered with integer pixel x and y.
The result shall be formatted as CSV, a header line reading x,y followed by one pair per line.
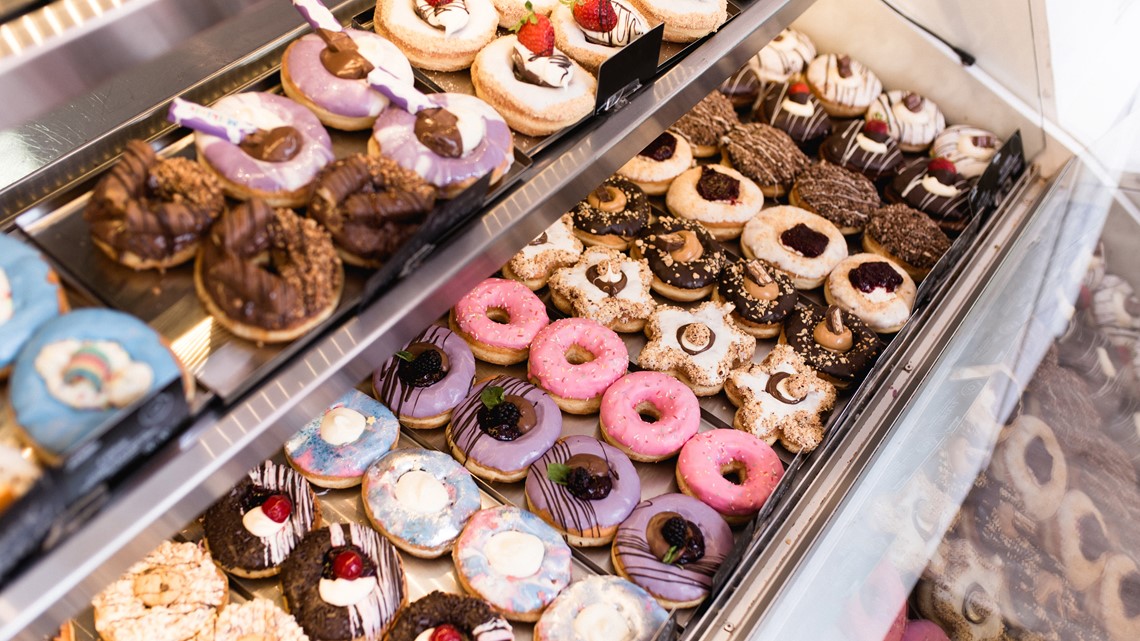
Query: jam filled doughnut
x,y
706,123
684,22
796,241
426,380
699,345
721,199
593,39
766,155
1077,538
150,213
649,415
793,109
784,58
907,237
513,560
654,168
935,188
672,545
912,120
865,147
837,345
335,449
1117,596
761,296
371,206
684,257
844,86
499,320
584,489
553,249
268,275
843,197
612,215
441,36
258,618
438,611
730,471
969,148
575,360
30,295
960,593
873,288
420,500
605,286
607,607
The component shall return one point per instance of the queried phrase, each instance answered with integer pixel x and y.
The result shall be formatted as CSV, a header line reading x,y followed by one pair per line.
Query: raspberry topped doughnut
x,y
576,360
426,380
672,406
606,605
873,288
721,199
553,249
913,121
730,471
336,448
844,86
684,257
441,35
804,245
612,215
654,168
699,345
761,295
499,319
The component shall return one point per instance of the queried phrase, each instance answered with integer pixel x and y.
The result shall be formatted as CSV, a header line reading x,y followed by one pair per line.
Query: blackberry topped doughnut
x,y
601,607
654,168
426,380
844,197
731,471
605,286
784,58
721,199
907,237
761,296
371,206
804,245
441,35
684,257
575,360
765,154
792,108
612,215
499,319
912,120
837,345
873,288
149,212
969,148
449,616
553,249
865,147
706,123
30,295
590,35
335,449
700,345
258,618
934,188
649,415
844,86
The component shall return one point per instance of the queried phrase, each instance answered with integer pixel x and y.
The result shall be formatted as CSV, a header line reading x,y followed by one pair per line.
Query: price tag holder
x,y
997,180
628,69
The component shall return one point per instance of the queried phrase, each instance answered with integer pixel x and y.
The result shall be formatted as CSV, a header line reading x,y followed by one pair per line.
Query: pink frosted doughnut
x,y
499,319
675,406
576,360
710,461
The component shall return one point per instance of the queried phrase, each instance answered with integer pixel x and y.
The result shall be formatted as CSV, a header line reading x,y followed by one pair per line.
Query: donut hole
x,y
734,472
648,412
578,355
499,315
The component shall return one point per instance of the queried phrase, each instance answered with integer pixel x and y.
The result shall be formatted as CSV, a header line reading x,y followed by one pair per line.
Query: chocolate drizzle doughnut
x,y
908,236
791,107
935,188
371,206
840,367
739,284
841,196
765,154
712,118
666,245
471,616
149,212
872,153
604,214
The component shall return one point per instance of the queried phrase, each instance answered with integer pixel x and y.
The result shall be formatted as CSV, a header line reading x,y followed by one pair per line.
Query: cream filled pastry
x,y
441,35
590,31
654,168
969,148
700,345
685,20
786,56
606,286
873,288
804,245
551,250
913,120
844,86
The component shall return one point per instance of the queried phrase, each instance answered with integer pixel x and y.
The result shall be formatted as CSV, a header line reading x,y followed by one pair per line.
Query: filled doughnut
x,y
30,295
612,215
766,155
605,286
865,147
721,199
805,246
912,120
845,198
499,319
907,237
553,249
704,125
969,148
592,37
761,296
877,291
335,449
837,345
424,382
684,257
649,415
699,345
844,86
654,168
935,188
730,471
438,611
575,360
793,109
441,35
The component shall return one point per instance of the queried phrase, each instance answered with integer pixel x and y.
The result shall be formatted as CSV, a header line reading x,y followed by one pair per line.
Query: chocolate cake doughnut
x,y
792,108
706,123
612,215
935,188
469,616
837,345
762,296
766,155
906,236
684,257
865,147
844,197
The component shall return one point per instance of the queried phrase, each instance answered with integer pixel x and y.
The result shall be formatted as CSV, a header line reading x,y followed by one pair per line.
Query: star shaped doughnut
x,y
700,345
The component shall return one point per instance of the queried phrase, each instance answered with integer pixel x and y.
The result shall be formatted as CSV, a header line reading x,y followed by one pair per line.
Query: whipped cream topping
x,y
803,110
970,150
342,425
260,525
421,492
92,374
602,622
450,17
553,71
879,295
425,635
630,25
514,554
870,146
931,184
5,298
345,592
471,128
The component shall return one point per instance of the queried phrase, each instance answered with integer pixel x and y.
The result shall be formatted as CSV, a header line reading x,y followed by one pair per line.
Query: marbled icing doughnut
x,y
336,448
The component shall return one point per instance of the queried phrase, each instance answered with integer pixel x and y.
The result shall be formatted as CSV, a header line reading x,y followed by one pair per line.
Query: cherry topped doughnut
x,y
730,471
673,407
440,610
499,319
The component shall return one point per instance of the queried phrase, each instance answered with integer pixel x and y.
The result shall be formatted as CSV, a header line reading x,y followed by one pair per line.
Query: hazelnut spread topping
x,y
438,130
1039,460
759,283
684,246
607,198
714,185
340,56
1093,542
607,276
832,334
843,66
804,240
674,540
695,338
787,388
872,275
279,144
662,148
913,102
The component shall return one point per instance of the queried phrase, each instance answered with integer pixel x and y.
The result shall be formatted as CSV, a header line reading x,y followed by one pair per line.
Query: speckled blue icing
x,y
50,423
35,300
313,456
429,532
641,612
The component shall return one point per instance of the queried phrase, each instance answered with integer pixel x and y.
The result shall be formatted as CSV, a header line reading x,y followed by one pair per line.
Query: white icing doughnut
x,y
786,55
914,130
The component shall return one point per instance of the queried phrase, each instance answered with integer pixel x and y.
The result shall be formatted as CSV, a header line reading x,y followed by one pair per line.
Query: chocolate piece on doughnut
x,y
762,296
912,119
865,147
843,197
683,256
784,58
704,126
472,617
612,215
837,345
791,107
765,154
935,188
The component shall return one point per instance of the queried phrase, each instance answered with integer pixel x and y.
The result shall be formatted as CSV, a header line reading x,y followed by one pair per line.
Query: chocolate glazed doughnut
x,y
470,616
150,213
684,257
267,274
837,345
371,206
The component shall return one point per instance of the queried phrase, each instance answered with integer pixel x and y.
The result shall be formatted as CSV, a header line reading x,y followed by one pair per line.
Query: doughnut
x,y
879,598
969,148
335,449
612,215
684,257
251,530
278,166
591,45
440,36
67,632
499,320
601,607
865,147
935,188
699,345
917,515
30,295
344,581
1116,310
743,88
479,143
843,197
171,595
873,288
467,615
513,560
1116,598
17,474
690,535
419,500
654,168
424,382
79,370
793,109
781,399
1031,464
268,275
150,213
258,618
605,286
575,360
761,296
649,415
914,121
511,12
686,20
500,444
584,489
960,593
536,94
1078,539
327,77
1102,366
764,154
370,206
720,198
706,123
731,471
843,85
907,237
785,57
837,345
553,249
805,246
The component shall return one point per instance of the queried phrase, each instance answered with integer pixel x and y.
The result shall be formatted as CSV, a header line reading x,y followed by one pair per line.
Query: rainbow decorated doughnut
x,y
601,607
30,296
576,360
336,448
672,406
731,471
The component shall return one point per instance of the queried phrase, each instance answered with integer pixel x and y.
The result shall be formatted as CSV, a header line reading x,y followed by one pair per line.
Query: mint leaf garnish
x,y
491,396
405,356
672,555
558,473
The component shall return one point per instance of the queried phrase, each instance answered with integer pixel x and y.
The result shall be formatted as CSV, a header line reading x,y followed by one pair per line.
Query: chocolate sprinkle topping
x,y
711,119
908,234
765,154
841,196
693,274
731,287
626,223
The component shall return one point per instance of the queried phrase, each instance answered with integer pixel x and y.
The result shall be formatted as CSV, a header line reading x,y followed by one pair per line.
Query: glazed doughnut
x,y
419,500
793,109
502,427
335,449
278,166
601,607
557,363
706,123
913,121
675,528
969,148
796,241
960,593
470,616
513,560
873,288
329,80
731,471
1116,597
612,215
592,48
934,188
684,257
371,206
781,399
30,295
743,88
268,275
426,380
843,197
785,57
1031,464
844,86
766,155
865,147
584,489
260,618
440,38
476,318
673,411
654,168
605,286
172,595
1077,538
699,345
907,237
685,21
553,249
719,198
761,296
150,213
837,345
511,12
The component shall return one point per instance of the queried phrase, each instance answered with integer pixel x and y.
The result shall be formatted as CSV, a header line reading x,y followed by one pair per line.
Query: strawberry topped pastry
x,y
936,188
590,31
865,147
441,35
511,12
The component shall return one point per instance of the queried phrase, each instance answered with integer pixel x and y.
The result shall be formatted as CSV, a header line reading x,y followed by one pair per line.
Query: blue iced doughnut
x,y
513,560
29,297
420,500
608,607
80,369
335,449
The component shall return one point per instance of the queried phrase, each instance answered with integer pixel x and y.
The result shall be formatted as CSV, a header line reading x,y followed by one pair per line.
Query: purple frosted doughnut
x,y
471,444
438,398
343,97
